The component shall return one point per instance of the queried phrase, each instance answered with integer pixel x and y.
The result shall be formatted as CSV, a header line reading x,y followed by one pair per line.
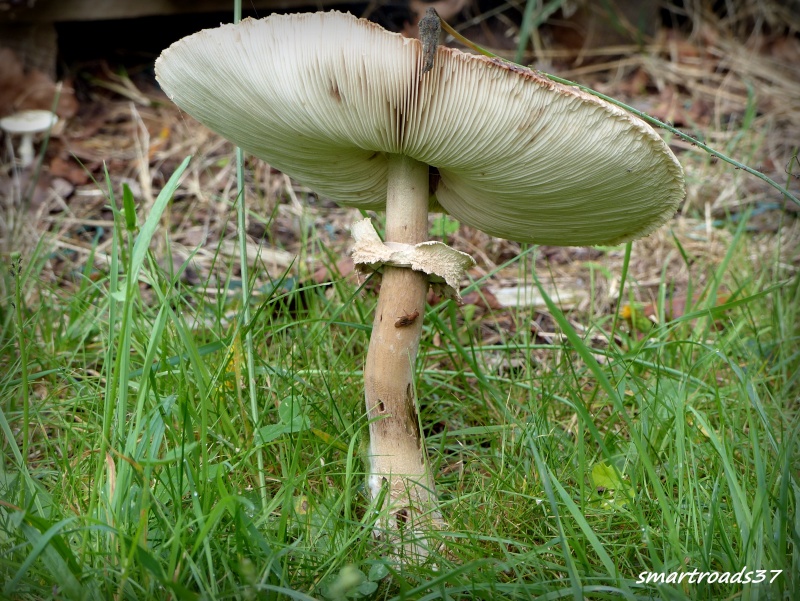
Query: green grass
x,y
130,451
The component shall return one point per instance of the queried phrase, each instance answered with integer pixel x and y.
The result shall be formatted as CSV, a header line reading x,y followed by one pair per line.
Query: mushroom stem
x,y
26,150
396,450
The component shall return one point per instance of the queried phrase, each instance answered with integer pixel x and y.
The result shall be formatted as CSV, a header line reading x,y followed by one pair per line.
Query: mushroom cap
x,y
28,122
326,97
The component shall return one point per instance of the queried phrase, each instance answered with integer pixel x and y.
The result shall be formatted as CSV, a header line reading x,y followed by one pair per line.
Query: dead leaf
x,y
24,90
70,170
344,268
483,299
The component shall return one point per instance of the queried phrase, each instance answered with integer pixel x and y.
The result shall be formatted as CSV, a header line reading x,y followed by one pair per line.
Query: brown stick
x,y
396,451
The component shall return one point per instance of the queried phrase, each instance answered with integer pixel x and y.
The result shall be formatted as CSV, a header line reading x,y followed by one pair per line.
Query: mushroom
x,y
342,105
27,124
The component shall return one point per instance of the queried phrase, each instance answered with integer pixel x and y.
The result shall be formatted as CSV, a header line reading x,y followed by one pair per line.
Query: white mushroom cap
x,y
324,97
28,122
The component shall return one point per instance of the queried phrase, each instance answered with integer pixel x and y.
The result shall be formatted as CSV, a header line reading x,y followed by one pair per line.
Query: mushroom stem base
x,y
397,459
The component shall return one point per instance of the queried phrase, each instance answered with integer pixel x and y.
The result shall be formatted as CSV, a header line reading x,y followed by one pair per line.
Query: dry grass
x,y
740,94
522,407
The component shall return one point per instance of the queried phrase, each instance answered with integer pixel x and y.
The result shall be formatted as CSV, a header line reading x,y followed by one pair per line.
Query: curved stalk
x,y
397,456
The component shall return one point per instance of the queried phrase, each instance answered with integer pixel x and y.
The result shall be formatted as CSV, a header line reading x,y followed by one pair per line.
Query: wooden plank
x,y
44,11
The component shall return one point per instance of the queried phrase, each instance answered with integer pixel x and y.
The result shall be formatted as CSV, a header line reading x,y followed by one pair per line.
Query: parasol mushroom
x,y
27,124
343,106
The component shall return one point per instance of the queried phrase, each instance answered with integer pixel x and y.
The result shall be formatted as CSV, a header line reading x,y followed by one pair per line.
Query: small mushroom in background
x,y
27,124
343,106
